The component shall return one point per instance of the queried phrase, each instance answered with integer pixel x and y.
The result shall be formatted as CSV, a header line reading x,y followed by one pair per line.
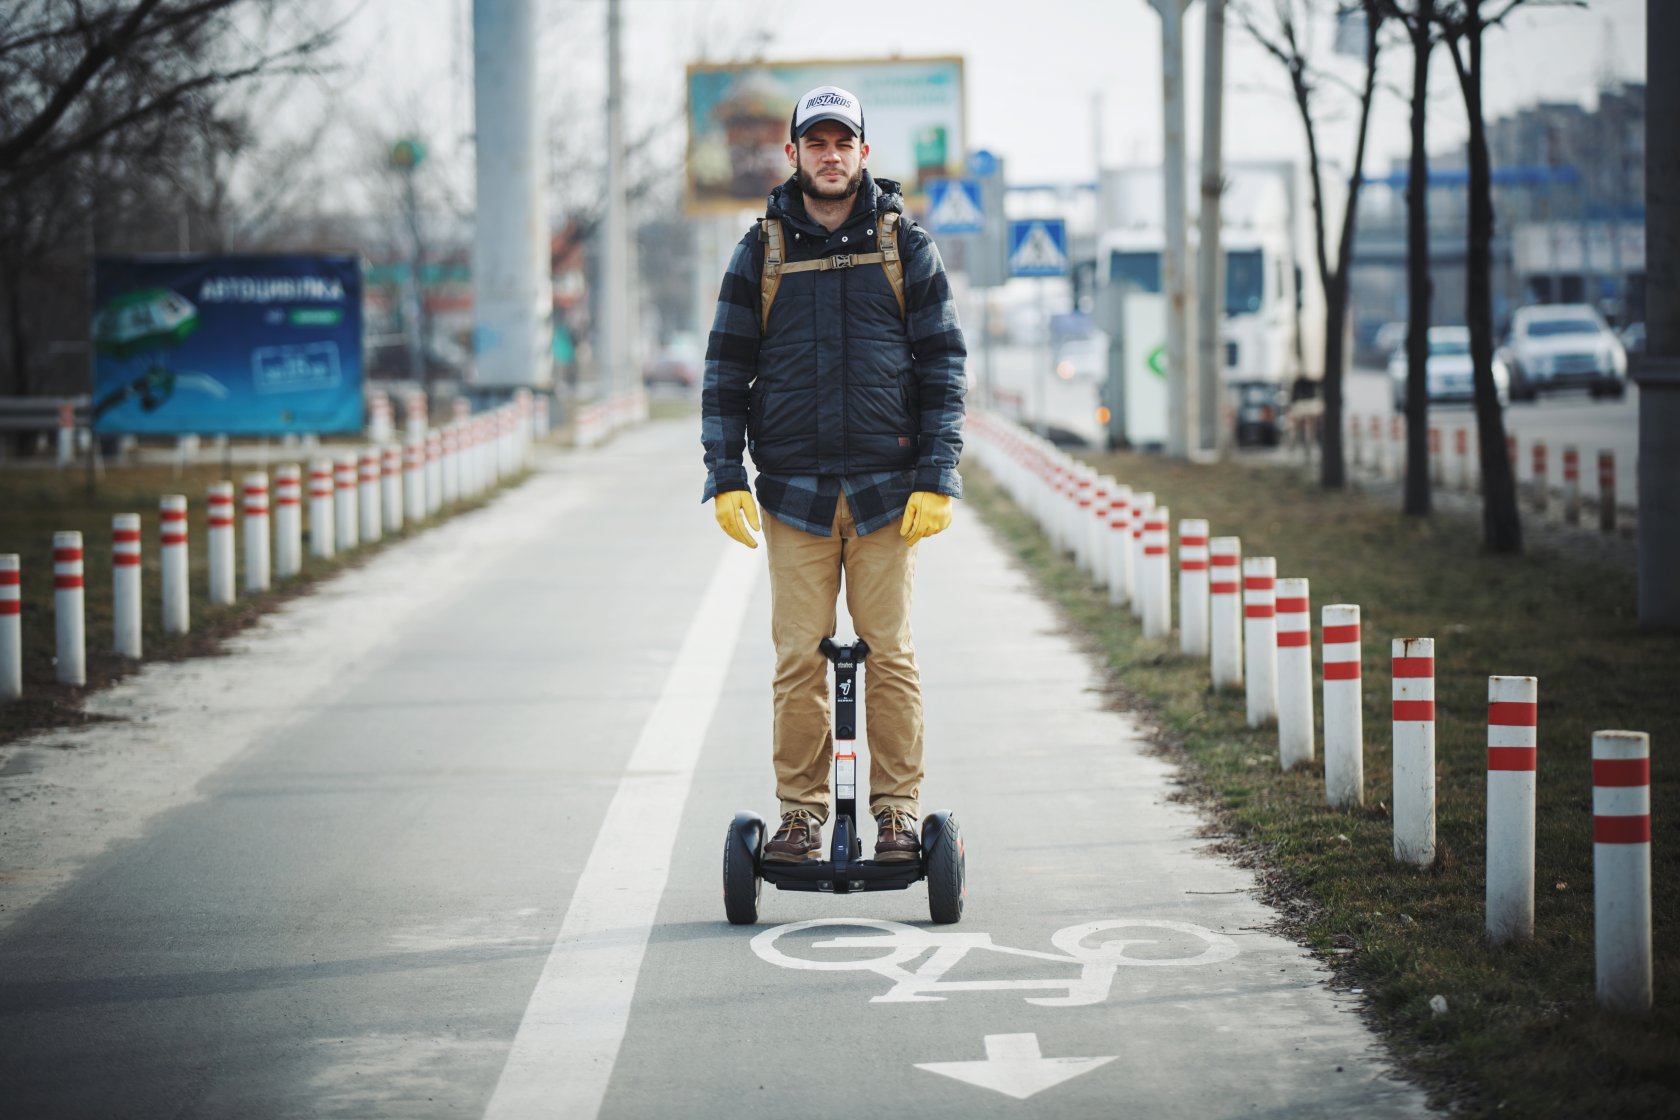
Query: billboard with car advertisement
x,y
738,117
241,345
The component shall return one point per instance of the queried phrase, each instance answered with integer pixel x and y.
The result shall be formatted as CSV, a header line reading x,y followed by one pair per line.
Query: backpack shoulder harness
x,y
771,233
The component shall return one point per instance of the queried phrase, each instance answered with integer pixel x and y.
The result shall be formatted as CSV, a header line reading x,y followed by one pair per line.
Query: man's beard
x,y
830,194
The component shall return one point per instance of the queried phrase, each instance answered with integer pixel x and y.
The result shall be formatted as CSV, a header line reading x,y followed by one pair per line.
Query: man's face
x,y
829,161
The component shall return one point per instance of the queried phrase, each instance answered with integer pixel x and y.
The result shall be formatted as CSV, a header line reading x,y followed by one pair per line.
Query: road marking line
x,y
563,1053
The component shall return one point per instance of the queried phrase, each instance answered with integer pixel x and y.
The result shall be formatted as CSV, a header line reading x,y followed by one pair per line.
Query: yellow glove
x,y
928,513
728,508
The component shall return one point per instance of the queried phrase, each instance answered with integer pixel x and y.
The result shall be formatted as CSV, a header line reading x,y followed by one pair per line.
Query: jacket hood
x,y
878,196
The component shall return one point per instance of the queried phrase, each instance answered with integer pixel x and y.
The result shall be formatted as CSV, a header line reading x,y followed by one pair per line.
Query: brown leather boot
x,y
799,838
896,842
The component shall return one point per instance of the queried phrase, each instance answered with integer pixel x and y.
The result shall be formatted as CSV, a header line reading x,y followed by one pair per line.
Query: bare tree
x,y
1284,38
1419,23
112,111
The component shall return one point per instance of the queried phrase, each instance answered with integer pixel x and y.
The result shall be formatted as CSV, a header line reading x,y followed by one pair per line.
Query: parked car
x,y
1083,359
677,363
1563,346
1448,371
1260,409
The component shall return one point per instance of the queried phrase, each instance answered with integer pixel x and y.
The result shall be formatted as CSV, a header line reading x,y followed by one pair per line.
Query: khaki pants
x,y
804,588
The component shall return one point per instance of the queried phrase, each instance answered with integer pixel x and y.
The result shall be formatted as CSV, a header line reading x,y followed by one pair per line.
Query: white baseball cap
x,y
828,103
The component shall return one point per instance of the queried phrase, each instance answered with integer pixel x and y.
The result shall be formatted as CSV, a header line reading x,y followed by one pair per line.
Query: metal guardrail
x,y
42,414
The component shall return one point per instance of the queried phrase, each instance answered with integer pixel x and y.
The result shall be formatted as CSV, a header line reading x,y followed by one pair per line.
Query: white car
x,y
1561,346
1449,371
1084,359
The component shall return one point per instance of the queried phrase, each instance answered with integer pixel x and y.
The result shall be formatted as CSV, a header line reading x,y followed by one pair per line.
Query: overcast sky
x,y
1033,71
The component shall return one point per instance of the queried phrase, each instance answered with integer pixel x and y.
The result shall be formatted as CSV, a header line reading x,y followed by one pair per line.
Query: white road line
x,y
564,1050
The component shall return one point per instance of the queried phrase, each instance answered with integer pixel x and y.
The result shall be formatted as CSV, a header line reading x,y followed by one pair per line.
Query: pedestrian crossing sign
x,y
954,206
1038,247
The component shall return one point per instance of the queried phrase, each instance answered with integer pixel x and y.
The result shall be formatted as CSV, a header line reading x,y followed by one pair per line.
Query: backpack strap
x,y
769,232
775,265
890,260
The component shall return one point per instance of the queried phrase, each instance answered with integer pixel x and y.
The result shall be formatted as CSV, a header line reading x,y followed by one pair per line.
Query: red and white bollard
x,y
390,487
1436,468
1294,673
347,517
1193,587
434,472
1092,504
1512,752
1606,492
257,576
1225,612
125,585
1396,447
1157,574
1260,638
1542,488
1142,506
11,626
172,555
67,608
1571,485
380,427
219,542
414,481
367,498
449,478
321,516
66,434
1377,450
1344,707
288,521
1119,545
1622,869
1461,451
1414,750
414,414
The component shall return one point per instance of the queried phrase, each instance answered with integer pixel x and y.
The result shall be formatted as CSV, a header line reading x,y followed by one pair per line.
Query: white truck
x,y
1272,332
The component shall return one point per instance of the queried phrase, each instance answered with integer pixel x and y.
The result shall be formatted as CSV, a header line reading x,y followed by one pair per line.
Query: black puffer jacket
x,y
834,392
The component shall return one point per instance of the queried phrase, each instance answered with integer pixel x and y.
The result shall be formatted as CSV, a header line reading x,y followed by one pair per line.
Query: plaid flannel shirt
x,y
808,502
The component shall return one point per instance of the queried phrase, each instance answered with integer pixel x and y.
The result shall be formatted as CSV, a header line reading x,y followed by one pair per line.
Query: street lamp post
x,y
407,155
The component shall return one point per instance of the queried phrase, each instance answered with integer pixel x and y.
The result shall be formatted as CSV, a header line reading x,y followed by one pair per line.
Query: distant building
x,y
1569,217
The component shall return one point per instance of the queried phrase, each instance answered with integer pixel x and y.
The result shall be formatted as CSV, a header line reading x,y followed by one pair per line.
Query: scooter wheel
x,y
743,850
945,863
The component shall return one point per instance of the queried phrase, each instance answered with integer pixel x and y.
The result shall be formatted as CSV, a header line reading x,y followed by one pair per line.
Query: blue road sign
x,y
982,163
954,206
1038,247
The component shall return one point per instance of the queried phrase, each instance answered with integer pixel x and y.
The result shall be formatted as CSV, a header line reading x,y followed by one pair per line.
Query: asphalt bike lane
x,y
1107,964
351,915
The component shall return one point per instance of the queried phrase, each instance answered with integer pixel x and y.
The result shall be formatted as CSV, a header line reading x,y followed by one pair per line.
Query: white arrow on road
x,y
1015,1067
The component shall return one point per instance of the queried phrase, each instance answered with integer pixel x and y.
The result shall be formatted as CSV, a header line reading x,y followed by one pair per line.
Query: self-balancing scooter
x,y
844,872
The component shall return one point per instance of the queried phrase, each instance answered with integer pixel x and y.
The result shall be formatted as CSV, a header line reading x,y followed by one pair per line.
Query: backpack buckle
x,y
842,260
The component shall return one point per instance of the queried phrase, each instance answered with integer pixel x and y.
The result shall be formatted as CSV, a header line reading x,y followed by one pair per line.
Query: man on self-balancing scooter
x,y
836,358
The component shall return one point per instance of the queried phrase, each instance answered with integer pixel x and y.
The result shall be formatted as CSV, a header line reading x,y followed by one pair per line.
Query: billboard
x,y
738,117
242,345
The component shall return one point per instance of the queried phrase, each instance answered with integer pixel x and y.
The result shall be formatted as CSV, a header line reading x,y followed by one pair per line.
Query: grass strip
x,y
1522,1034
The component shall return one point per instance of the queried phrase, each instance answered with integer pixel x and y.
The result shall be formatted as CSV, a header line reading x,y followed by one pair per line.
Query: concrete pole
x,y
1175,260
172,556
11,627
512,293
1210,261
1658,373
613,340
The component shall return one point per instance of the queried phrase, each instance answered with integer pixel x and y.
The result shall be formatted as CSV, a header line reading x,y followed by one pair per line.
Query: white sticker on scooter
x,y
892,946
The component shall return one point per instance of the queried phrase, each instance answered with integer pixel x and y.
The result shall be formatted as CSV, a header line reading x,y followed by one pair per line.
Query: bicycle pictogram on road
x,y
894,945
